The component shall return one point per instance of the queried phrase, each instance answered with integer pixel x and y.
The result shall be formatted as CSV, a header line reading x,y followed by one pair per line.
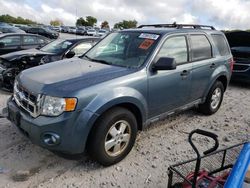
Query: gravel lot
x,y
23,164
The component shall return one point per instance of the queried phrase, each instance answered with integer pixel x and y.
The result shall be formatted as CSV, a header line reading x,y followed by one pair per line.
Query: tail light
x,y
231,63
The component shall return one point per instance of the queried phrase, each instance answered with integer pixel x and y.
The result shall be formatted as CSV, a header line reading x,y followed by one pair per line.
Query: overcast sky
x,y
223,14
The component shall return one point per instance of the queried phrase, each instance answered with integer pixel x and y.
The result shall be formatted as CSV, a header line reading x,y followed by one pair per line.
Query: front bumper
x,y
69,127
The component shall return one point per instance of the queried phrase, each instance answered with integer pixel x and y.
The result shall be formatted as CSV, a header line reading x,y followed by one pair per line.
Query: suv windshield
x,y
58,46
127,49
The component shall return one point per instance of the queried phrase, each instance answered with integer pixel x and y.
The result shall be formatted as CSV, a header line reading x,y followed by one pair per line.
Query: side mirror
x,y
70,54
2,45
165,63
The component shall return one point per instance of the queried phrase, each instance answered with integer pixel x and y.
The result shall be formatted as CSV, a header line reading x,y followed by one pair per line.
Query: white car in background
x,y
72,30
102,32
91,32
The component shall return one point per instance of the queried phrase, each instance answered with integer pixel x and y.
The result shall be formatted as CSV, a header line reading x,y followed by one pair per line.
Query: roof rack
x,y
179,26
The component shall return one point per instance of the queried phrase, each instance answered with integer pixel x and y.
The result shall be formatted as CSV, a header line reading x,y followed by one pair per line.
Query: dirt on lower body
x,y
23,164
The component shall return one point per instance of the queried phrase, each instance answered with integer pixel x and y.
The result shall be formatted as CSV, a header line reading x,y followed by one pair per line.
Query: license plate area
x,y
14,114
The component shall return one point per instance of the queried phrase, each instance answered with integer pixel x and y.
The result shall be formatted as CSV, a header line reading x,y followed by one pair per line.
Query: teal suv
x,y
131,78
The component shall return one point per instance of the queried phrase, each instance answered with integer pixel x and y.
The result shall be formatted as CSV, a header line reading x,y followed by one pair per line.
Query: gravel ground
x,y
23,164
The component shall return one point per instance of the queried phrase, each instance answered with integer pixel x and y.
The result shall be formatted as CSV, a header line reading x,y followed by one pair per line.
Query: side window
x,y
221,44
201,47
41,31
80,49
41,40
175,47
28,40
11,40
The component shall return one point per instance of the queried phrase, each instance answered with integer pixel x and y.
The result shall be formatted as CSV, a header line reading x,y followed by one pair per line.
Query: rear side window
x,y
201,47
221,44
28,40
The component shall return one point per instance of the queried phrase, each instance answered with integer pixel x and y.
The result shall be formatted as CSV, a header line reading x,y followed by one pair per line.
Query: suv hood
x,y
19,54
66,76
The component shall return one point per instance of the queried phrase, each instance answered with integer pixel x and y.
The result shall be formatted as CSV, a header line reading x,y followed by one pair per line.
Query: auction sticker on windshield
x,y
149,36
146,44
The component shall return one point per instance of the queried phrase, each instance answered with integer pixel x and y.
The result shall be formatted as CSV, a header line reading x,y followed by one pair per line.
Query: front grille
x,y
29,102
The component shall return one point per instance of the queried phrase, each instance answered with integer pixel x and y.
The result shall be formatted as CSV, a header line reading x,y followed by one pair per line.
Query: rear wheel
x,y
113,136
213,100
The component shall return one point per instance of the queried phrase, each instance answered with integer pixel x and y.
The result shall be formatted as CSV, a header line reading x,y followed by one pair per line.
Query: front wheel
x,y
213,100
113,136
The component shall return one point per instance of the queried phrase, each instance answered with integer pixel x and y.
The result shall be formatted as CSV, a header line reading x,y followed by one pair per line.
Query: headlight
x,y
54,106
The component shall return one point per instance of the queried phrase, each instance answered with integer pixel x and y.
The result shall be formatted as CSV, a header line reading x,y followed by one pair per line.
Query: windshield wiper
x,y
87,57
97,60
101,61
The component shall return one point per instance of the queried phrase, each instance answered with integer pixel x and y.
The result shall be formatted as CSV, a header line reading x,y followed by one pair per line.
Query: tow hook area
x,y
51,139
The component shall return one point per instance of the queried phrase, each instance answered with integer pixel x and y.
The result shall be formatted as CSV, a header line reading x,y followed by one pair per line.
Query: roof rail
x,y
179,26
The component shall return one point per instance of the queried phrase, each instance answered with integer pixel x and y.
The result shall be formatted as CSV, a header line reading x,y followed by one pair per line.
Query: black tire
x,y
101,134
207,108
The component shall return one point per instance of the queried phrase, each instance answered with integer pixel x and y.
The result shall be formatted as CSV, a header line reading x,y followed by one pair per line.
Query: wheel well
x,y
223,79
135,110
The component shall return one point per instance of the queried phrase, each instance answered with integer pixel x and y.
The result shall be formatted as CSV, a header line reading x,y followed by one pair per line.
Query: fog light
x,y
51,139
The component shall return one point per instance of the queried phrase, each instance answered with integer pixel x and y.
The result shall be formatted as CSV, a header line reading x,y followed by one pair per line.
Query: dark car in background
x,y
10,29
44,32
13,63
12,42
239,42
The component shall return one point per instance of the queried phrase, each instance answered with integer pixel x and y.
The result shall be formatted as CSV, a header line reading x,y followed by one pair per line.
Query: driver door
x,y
169,89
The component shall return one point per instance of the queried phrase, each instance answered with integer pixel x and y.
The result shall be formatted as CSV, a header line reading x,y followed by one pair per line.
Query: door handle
x,y
212,66
185,73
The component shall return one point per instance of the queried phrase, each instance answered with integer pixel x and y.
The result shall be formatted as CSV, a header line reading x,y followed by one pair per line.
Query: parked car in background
x,y
11,42
10,29
22,27
13,63
91,32
239,42
81,31
44,32
56,28
72,30
102,32
64,29
127,81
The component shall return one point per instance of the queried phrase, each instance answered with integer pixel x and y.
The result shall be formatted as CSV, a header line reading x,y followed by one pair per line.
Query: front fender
x,y
102,103
116,96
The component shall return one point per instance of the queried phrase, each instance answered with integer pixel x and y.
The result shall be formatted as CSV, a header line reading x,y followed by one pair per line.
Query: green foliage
x,y
89,21
19,20
56,22
126,24
105,25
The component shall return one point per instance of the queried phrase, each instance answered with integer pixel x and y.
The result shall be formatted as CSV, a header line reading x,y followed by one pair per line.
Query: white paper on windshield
x,y
149,36
67,43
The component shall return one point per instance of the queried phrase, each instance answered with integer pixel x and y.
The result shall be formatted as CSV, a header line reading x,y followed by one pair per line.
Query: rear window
x,y
201,47
221,44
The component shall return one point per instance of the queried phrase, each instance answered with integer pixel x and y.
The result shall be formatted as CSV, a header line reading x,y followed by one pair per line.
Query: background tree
x,y
126,24
81,22
56,22
91,20
105,25
19,20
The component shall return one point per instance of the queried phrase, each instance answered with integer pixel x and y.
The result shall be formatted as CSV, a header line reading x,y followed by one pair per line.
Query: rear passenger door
x,y
169,89
29,42
203,64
